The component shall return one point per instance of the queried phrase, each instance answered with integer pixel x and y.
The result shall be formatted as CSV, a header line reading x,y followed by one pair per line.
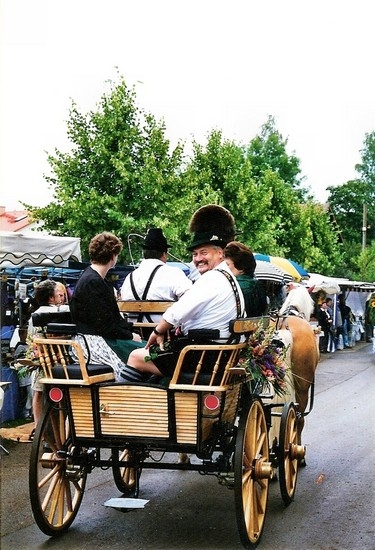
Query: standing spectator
x,y
370,318
153,279
336,317
24,382
346,315
325,322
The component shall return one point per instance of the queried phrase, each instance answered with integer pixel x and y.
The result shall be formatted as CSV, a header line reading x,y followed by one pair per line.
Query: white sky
x,y
200,65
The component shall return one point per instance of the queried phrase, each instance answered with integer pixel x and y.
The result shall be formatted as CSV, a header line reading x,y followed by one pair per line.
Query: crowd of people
x,y
336,320
221,286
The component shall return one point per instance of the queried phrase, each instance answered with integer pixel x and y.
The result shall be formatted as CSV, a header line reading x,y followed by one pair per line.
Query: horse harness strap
x,y
144,295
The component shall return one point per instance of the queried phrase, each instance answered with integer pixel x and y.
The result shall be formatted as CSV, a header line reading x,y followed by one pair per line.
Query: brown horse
x,y
293,328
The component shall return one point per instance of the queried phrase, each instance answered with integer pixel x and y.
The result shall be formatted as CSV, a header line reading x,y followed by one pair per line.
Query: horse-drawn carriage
x,y
92,421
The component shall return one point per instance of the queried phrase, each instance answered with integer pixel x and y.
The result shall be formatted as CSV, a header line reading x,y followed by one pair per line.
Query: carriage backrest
x,y
62,358
64,362
143,309
214,366
57,322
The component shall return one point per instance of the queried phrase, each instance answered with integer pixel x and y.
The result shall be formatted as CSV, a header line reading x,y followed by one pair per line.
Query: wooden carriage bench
x,y
143,310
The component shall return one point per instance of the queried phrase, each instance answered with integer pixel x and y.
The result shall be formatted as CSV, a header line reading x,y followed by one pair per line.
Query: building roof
x,y
13,221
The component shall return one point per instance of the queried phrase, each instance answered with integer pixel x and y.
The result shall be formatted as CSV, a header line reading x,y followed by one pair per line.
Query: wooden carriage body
x,y
206,409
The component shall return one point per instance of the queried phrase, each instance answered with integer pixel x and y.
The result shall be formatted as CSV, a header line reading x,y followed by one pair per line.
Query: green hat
x,y
209,238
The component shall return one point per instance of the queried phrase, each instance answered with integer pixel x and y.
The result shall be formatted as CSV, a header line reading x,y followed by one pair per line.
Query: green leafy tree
x,y
268,151
269,214
366,263
346,204
366,168
221,166
119,176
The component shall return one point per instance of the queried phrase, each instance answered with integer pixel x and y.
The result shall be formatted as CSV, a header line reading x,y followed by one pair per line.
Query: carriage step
x,y
126,503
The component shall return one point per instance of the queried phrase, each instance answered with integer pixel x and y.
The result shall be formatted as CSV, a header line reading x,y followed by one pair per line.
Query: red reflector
x,y
211,402
55,395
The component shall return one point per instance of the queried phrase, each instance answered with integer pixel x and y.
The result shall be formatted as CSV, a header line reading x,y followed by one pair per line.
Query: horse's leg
x,y
304,359
284,336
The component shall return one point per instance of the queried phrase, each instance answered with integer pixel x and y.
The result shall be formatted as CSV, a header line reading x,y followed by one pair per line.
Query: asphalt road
x,y
333,507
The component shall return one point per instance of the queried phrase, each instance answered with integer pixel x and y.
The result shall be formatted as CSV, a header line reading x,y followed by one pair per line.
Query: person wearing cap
x,y
154,279
94,307
211,303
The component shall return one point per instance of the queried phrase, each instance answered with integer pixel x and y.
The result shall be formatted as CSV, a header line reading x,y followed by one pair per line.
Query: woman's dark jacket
x,y
94,308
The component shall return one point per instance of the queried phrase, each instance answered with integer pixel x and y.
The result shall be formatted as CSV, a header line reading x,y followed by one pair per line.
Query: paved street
x,y
332,510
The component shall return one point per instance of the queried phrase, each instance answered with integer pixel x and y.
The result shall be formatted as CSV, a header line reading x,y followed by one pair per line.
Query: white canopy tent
x,y
21,250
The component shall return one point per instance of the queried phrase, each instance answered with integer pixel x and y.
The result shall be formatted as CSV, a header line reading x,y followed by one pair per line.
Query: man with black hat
x,y
213,227
212,302
154,279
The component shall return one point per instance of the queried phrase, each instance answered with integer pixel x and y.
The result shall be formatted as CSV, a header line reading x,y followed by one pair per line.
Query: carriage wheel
x,y
56,481
289,453
126,478
252,471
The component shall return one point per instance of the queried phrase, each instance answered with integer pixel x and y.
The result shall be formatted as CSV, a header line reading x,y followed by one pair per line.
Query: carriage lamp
x,y
211,402
56,395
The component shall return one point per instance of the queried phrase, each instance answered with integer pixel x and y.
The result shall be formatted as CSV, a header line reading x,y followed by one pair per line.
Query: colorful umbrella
x,y
287,266
269,272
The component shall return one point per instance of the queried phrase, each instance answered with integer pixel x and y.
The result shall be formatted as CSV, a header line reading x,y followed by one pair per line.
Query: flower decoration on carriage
x,y
265,360
30,362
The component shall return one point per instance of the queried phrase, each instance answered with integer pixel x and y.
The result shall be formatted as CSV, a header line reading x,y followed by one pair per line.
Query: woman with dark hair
x,y
94,306
47,299
242,264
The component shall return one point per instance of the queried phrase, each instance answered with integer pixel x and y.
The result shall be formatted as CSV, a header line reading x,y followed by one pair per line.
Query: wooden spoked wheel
x,y
126,477
252,471
290,452
57,476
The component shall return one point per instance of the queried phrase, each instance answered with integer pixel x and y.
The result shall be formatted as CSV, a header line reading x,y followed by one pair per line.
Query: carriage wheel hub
x,y
297,452
262,470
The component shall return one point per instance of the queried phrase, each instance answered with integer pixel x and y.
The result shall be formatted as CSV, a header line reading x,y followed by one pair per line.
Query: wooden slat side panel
x,y
134,411
81,403
186,416
231,404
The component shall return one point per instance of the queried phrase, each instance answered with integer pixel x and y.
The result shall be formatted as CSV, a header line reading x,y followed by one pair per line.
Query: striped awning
x,y
269,272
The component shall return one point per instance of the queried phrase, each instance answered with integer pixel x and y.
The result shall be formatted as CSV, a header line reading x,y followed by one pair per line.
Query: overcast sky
x,y
199,65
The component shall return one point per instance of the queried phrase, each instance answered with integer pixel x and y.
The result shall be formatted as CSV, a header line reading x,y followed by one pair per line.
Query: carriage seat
x,y
56,323
75,371
214,366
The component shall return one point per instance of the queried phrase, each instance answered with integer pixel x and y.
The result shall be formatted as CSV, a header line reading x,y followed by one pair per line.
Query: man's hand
x,y
155,339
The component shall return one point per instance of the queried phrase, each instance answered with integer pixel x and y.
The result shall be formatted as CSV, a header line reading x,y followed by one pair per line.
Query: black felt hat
x,y
212,224
155,240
